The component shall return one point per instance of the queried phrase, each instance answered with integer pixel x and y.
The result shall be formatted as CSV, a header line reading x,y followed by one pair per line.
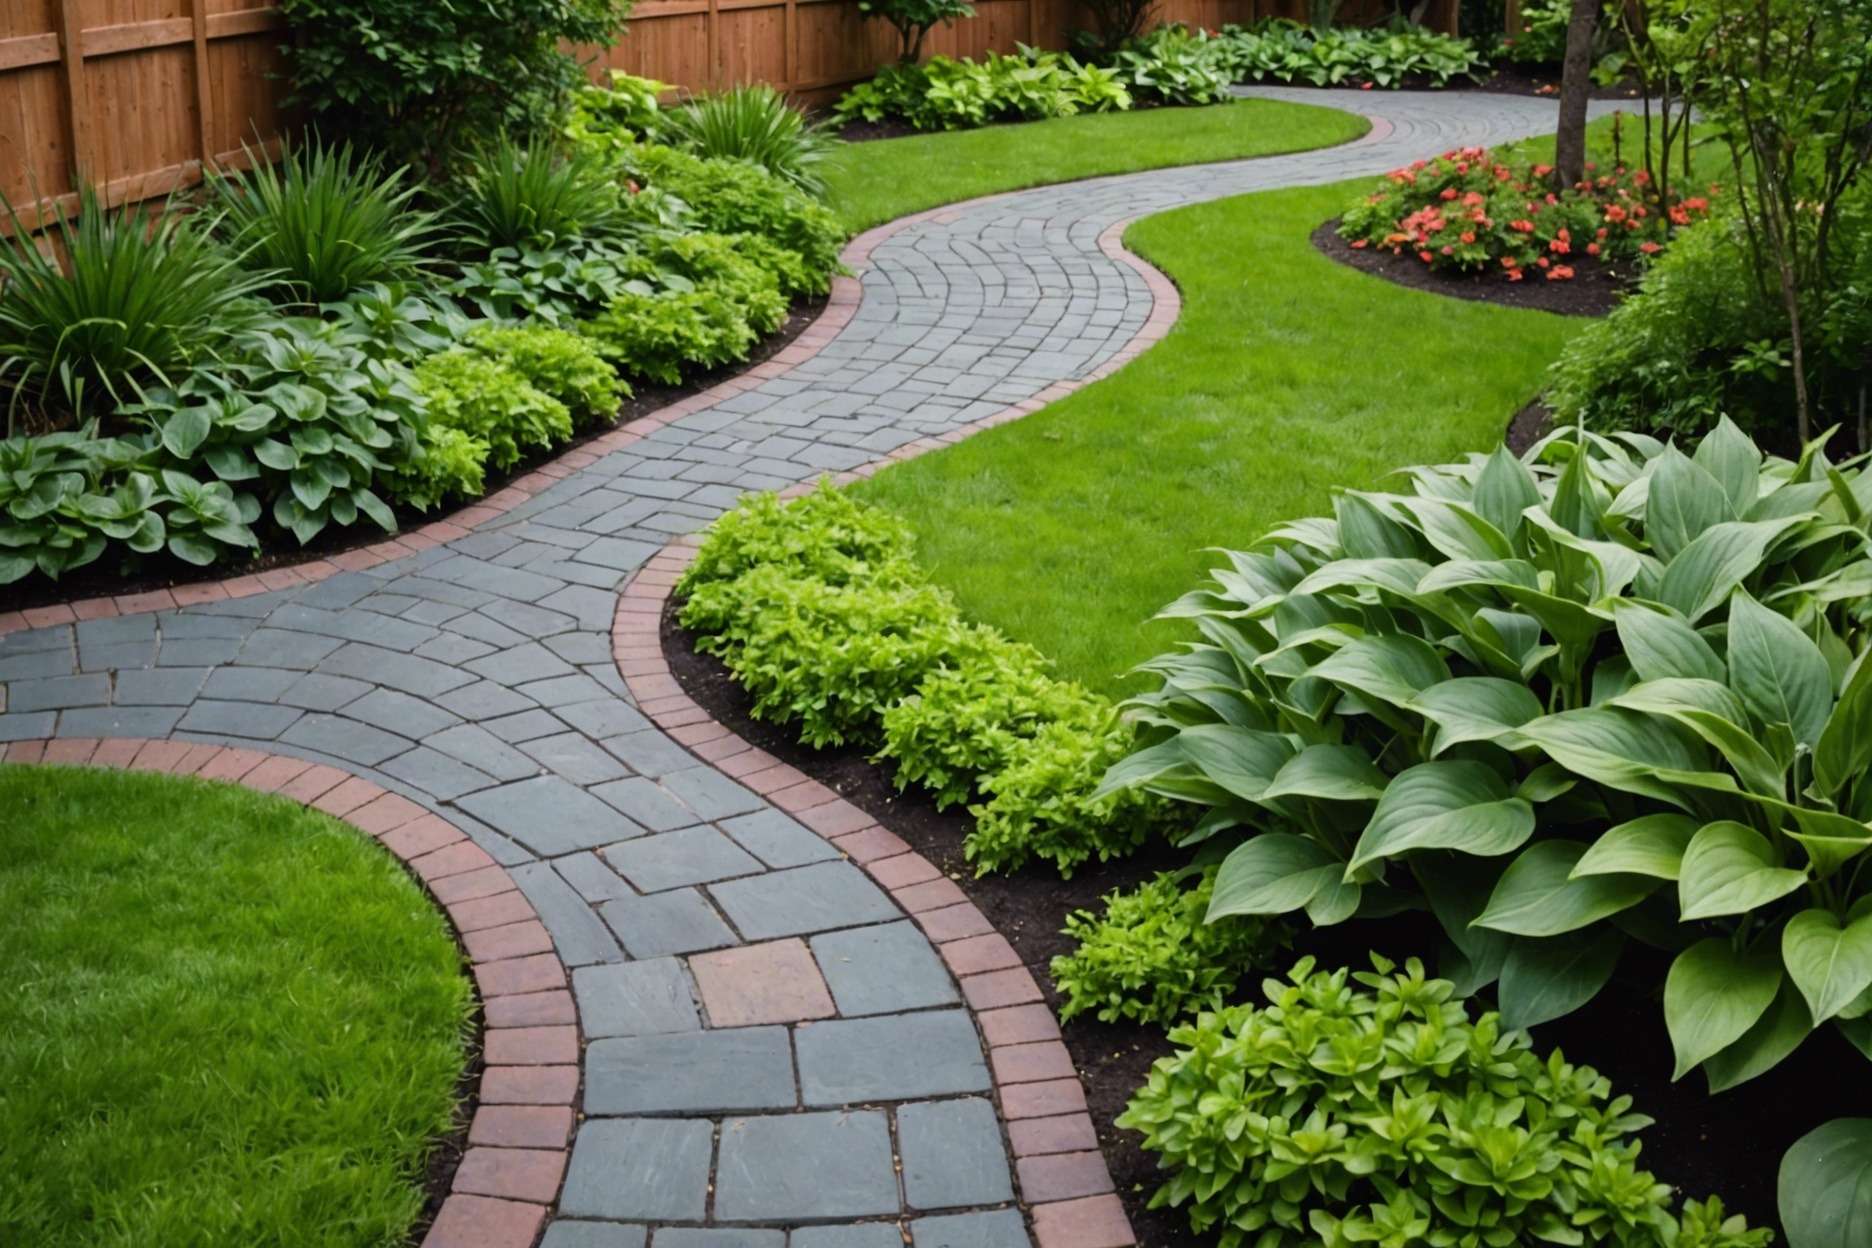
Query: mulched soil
x,y
161,571
1594,290
1511,79
1729,1145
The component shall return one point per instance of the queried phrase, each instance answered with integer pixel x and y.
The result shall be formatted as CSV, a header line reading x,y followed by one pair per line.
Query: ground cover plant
x,y
1372,1108
198,1071
1605,692
1280,50
869,183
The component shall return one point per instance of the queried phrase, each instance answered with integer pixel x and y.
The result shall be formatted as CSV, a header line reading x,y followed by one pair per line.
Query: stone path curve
x,y
784,1017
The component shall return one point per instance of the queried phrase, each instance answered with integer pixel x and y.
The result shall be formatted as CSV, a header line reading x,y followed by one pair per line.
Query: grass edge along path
x,y
872,182
1285,375
230,1019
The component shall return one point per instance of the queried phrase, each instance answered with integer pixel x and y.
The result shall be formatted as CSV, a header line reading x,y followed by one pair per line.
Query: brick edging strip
x,y
1064,1183
520,1136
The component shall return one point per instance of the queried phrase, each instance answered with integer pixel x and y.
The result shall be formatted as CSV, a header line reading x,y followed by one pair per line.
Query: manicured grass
x,y
879,181
228,1020
1287,374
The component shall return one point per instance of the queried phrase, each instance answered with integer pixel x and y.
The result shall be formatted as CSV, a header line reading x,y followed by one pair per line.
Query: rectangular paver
x,y
797,1167
814,898
892,1058
746,1068
883,969
639,1169
635,999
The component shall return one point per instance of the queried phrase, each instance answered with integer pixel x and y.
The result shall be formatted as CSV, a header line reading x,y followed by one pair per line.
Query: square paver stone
x,y
674,859
720,1237
742,1069
648,803
893,1058
953,1156
775,982
996,1228
639,1168
549,816
777,840
635,999
563,1234
805,1167
883,969
862,1235
674,922
816,898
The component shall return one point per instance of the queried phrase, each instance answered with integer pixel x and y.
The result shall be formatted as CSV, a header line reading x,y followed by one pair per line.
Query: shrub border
x,y
519,1136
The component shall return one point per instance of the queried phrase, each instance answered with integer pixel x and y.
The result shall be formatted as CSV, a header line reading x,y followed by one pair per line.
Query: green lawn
x,y
889,178
228,1020
1287,374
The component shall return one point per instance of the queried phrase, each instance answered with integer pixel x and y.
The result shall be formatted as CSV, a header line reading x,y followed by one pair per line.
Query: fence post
x,y
204,93
78,109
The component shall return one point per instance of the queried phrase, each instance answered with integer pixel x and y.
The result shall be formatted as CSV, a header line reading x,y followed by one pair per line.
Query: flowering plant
x,y
1470,210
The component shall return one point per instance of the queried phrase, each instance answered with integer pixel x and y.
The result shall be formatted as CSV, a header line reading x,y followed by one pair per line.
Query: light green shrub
x,y
481,397
557,362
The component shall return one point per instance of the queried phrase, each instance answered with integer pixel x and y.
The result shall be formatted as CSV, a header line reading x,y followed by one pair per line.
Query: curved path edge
x,y
520,1134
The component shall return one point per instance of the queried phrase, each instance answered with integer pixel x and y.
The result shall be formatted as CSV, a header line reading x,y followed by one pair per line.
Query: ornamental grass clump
x,y
1371,1109
1603,692
1471,210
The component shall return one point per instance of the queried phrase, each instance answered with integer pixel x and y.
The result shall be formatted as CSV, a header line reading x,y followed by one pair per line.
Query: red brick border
x,y
1064,1182
520,1136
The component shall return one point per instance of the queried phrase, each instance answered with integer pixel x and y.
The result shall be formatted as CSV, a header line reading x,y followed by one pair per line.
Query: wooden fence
x,y
143,94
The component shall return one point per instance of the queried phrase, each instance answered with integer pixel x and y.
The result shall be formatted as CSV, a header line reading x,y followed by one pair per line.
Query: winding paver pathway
x,y
775,1051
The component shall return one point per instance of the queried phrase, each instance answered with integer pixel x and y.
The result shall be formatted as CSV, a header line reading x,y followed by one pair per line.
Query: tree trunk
x,y
1575,86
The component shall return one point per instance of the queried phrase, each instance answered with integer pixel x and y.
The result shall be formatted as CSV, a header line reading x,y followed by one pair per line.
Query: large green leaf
x,y
1620,748
1734,460
1392,668
1547,979
1715,713
1713,995
1831,964
1684,500
1273,873
1825,1186
1844,750
1704,572
1331,772
1650,845
1540,896
1452,529
1475,708
1762,1047
1240,760
185,430
1504,489
1458,887
1365,532
1660,645
1730,868
1458,805
1778,671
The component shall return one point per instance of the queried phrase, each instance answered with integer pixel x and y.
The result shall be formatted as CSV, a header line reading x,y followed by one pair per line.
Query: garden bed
x,y
1728,1145
1594,290
164,571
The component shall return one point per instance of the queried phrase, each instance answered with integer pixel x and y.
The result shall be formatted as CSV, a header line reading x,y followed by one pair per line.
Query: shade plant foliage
x,y
1604,692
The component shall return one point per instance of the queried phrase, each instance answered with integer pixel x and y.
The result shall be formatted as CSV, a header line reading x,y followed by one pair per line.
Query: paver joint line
x,y
487,696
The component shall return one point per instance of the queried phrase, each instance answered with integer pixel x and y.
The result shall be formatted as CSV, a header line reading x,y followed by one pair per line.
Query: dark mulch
x,y
1544,80
1728,1145
1594,290
861,131
1528,426
161,571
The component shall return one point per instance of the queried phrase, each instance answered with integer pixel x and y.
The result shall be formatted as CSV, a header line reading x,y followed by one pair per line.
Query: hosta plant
x,y
1605,691
1372,1109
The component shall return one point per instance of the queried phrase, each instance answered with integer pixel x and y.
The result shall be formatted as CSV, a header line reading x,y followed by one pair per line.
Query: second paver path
x,y
767,1029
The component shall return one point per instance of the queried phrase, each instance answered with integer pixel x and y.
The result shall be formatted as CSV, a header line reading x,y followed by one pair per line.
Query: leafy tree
x,y
914,19
1575,86
1114,24
416,75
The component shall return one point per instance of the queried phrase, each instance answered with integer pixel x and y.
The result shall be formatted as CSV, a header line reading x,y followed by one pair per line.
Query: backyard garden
x,y
1208,637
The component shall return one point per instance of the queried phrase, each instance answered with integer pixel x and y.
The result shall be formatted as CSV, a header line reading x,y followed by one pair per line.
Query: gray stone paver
x,y
805,1167
475,679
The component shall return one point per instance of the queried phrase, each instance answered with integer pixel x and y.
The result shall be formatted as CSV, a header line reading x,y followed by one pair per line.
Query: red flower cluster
x,y
1469,209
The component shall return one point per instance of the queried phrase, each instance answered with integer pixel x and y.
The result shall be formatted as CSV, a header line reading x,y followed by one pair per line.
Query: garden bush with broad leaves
x,y
1371,1109
1605,692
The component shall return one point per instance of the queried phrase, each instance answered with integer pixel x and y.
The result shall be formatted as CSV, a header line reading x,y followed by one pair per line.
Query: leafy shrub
x,y
533,194
134,303
390,321
1699,341
489,400
1174,66
1542,40
415,75
558,284
1286,51
1469,210
700,300
448,463
755,124
733,197
1151,957
914,19
327,219
617,117
817,610
944,93
1605,690
564,365
1340,1115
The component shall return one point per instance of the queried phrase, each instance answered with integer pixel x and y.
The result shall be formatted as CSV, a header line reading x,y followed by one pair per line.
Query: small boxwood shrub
x,y
1370,1108
565,365
818,610
1152,959
484,398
